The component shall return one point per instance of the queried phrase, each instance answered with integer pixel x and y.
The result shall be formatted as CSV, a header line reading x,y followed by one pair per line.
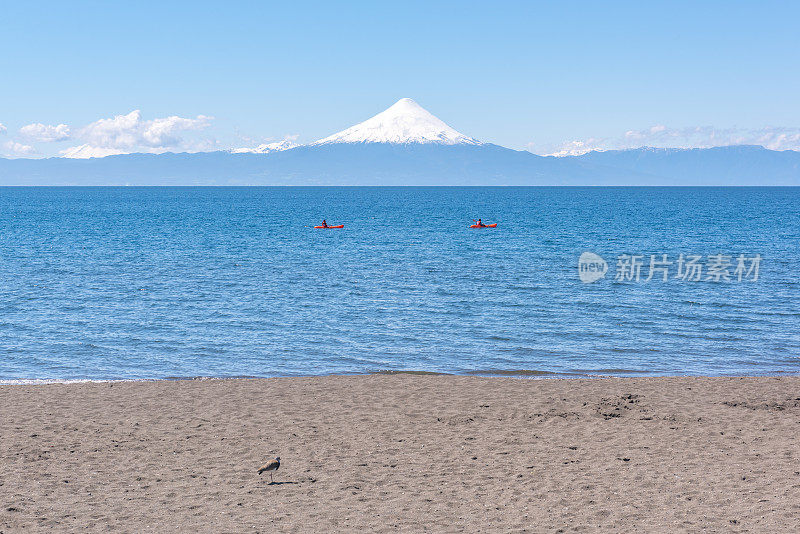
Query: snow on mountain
x,y
87,151
266,148
405,122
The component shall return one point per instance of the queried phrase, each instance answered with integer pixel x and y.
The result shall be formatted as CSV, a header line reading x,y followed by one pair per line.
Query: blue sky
x,y
548,77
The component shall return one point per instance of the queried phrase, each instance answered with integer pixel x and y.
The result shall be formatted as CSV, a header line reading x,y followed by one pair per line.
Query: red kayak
x,y
493,225
330,227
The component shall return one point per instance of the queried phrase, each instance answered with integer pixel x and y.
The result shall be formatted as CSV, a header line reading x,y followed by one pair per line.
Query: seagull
x,y
270,466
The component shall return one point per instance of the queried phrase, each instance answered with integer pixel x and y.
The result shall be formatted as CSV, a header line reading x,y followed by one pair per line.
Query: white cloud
x,y
771,137
3,129
45,133
160,132
18,149
124,134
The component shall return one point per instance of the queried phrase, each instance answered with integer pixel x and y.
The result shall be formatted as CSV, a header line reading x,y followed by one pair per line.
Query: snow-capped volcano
x,y
406,122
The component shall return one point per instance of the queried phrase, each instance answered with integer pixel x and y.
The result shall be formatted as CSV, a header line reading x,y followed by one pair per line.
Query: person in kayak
x,y
324,223
480,223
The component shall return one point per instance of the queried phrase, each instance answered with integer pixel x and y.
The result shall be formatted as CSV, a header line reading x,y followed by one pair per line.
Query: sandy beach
x,y
381,453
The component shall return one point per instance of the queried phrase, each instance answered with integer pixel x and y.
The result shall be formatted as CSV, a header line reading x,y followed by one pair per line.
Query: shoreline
x,y
384,452
518,374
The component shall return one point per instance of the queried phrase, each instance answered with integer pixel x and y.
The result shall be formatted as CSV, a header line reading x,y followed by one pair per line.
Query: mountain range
x,y
407,145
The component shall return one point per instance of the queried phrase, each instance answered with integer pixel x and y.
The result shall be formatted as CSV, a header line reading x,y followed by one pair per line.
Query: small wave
x,y
178,378
611,371
516,372
628,350
44,381
399,372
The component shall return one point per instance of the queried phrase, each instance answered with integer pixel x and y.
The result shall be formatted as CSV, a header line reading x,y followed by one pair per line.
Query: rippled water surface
x,y
177,282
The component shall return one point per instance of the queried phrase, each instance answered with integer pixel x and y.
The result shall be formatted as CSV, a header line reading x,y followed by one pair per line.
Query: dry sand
x,y
412,453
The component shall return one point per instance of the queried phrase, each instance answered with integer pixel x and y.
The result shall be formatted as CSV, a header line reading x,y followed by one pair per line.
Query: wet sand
x,y
382,453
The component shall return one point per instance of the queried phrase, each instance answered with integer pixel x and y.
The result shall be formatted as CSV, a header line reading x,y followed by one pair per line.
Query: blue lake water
x,y
129,283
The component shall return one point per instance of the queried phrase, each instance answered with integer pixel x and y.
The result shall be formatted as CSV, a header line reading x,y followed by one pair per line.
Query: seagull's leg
x,y
270,478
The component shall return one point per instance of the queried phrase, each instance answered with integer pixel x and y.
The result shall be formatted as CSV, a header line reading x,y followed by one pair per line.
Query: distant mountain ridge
x,y
735,165
407,145
420,164
266,148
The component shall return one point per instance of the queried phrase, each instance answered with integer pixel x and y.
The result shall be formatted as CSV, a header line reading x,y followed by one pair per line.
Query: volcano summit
x,y
405,122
